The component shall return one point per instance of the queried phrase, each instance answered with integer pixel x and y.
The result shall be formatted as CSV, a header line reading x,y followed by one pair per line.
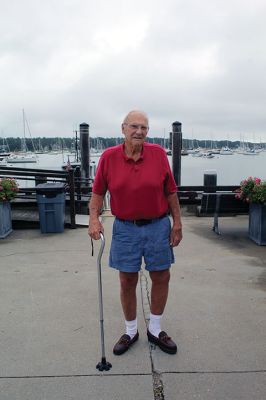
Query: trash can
x,y
51,204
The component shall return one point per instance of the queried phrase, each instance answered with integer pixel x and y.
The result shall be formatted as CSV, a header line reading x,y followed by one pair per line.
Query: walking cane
x,y
103,365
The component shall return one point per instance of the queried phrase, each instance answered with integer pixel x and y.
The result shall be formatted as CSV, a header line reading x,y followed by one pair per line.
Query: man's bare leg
x,y
159,290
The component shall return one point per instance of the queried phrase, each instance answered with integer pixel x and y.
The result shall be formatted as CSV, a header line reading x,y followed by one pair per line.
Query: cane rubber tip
x,y
104,366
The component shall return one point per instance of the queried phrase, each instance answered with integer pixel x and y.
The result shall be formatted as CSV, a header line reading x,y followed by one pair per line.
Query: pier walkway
x,y
49,332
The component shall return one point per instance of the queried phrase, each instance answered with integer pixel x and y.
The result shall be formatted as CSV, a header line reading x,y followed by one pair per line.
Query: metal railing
x,y
77,188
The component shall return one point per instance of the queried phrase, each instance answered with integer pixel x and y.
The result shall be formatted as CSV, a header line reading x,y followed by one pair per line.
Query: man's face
x,y
135,129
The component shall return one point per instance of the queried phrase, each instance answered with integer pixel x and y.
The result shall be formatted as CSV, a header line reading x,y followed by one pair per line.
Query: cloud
x,y
66,62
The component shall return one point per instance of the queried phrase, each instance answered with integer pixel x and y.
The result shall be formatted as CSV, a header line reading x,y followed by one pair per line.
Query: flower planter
x,y
5,219
257,223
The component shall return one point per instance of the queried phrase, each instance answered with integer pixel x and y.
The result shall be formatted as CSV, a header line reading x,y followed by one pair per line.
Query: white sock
x,y
131,327
155,324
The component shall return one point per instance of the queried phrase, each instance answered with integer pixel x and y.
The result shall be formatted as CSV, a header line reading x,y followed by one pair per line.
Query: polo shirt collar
x,y
130,158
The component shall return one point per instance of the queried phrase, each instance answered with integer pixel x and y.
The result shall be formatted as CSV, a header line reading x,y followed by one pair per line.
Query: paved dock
x,y
49,330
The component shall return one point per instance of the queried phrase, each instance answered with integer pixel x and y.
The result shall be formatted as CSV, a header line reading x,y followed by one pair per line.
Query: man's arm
x,y
95,206
174,207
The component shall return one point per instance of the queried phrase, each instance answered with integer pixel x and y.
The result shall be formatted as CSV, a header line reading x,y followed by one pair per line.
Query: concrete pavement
x,y
49,333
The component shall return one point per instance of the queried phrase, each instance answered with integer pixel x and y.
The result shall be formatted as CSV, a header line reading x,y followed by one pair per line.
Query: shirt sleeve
x,y
170,184
100,183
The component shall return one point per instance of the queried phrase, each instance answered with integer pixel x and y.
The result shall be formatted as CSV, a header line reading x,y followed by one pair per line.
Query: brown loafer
x,y
124,344
165,343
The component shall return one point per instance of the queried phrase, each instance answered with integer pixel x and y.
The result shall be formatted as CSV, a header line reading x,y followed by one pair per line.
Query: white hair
x,y
135,112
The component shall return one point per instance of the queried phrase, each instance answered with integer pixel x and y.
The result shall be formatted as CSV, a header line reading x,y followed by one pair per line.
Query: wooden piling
x,y
176,151
84,150
71,182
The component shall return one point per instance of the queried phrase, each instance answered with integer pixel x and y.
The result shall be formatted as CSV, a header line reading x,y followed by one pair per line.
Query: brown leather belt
x,y
141,222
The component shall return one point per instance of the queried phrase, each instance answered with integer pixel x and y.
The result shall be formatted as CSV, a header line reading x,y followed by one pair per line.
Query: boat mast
x,y
24,146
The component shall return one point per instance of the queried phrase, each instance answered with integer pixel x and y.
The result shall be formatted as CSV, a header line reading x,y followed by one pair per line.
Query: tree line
x,y
99,143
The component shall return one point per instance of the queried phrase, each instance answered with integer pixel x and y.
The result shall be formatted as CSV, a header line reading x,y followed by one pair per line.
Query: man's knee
x,y
128,280
161,277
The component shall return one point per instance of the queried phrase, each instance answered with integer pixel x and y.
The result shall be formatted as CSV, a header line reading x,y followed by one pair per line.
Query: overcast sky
x,y
200,62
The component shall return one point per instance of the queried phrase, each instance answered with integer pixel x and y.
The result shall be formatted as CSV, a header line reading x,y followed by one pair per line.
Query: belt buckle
x,y
141,222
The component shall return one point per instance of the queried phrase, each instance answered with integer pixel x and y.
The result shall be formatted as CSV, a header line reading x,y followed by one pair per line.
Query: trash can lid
x,y
57,187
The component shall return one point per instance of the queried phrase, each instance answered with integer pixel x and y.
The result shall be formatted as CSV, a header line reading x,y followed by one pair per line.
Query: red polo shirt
x,y
138,189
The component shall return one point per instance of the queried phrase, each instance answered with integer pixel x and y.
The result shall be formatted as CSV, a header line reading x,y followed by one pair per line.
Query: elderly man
x,y
142,194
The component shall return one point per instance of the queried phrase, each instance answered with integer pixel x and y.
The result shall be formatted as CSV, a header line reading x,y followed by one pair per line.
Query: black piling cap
x,y
176,123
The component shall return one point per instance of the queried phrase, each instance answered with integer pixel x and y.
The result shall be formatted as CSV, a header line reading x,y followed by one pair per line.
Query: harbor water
x,y
230,169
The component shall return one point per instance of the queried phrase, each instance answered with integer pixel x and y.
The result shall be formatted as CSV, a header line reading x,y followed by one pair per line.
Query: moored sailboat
x,y
24,156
